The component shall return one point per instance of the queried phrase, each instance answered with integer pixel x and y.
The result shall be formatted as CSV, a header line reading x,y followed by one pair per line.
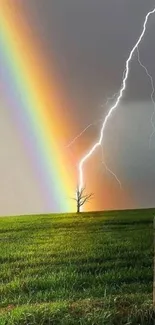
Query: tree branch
x,y
81,198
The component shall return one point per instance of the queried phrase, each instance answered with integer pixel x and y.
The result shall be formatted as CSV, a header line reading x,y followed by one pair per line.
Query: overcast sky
x,y
89,41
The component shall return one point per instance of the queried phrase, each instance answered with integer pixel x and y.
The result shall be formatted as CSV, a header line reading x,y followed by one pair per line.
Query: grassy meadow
x,y
92,268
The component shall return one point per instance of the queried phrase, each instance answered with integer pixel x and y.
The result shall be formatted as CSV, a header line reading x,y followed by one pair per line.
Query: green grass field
x,y
92,268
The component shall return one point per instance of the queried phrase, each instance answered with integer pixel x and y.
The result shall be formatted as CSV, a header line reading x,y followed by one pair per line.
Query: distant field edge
x,y
82,213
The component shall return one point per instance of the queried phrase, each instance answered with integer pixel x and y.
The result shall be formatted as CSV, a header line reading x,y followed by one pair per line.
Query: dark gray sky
x,y
89,41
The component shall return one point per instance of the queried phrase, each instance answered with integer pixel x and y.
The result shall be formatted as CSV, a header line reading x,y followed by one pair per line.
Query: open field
x,y
96,268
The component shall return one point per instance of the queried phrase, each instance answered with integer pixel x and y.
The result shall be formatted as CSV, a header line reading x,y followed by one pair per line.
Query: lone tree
x,y
82,198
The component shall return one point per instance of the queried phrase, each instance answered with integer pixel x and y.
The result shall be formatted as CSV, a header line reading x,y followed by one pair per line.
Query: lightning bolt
x,y
152,94
111,98
120,95
110,171
82,132
85,129
91,124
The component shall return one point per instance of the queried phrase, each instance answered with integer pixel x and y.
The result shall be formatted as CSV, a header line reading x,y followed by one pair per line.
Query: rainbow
x,y
32,99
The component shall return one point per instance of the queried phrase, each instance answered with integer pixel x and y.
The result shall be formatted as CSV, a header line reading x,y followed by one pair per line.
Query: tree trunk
x,y
78,207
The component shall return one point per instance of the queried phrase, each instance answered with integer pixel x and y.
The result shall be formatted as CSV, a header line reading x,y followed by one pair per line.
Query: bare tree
x,y
82,198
